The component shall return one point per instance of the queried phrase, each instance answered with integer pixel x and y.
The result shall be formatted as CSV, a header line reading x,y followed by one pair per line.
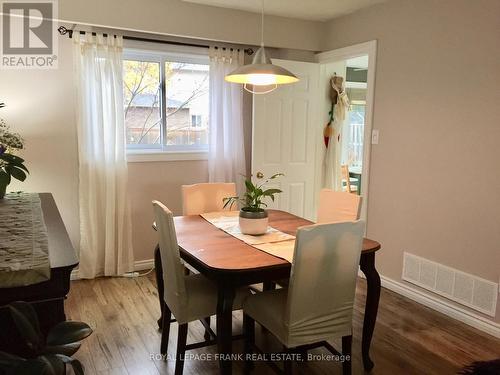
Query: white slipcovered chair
x,y
187,297
205,197
318,304
337,206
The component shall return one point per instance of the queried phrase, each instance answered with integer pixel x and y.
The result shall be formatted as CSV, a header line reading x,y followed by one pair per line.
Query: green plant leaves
x,y
4,178
270,192
250,186
54,364
76,364
22,166
276,175
62,342
26,321
67,349
12,158
252,199
231,201
67,333
14,168
17,173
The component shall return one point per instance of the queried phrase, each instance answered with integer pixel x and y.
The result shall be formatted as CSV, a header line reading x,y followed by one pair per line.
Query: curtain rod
x,y
65,31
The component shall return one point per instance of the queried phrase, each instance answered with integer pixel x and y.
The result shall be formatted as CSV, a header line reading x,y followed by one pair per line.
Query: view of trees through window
x,y
356,130
172,114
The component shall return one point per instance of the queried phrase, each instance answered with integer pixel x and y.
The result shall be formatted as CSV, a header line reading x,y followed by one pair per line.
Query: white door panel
x,y
285,130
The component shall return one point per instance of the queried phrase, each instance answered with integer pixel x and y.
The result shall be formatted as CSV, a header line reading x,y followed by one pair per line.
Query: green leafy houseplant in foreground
x,y
49,355
10,164
253,215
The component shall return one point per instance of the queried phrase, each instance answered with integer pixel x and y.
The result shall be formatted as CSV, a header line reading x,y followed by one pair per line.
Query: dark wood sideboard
x,y
46,297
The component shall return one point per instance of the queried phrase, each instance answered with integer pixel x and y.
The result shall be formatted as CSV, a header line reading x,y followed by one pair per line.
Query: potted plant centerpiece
x,y
253,217
10,164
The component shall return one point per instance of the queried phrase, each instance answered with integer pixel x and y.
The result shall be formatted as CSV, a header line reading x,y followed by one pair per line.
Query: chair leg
x,y
165,332
207,333
181,348
288,363
159,282
346,351
249,334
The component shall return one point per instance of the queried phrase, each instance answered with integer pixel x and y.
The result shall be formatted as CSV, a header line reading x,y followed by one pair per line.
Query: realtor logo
x,y
28,34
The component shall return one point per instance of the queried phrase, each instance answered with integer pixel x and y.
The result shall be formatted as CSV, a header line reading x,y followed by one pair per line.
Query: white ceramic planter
x,y
254,223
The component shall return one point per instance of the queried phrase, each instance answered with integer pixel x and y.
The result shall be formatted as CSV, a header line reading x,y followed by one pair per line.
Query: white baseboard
x,y
140,265
444,307
143,265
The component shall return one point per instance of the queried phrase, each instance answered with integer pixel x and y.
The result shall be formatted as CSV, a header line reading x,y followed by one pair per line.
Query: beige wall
x,y
40,107
176,17
435,176
161,181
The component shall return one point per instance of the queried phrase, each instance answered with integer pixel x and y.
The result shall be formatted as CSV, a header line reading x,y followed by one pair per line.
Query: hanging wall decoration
x,y
339,107
332,133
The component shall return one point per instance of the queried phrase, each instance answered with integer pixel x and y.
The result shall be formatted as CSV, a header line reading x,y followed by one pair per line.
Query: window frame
x,y
162,151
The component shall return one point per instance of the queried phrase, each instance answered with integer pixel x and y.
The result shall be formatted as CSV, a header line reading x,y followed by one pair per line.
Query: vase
x,y
3,189
254,223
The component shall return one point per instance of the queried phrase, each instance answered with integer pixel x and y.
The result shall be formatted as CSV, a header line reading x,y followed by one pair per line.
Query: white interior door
x,y
335,59
285,130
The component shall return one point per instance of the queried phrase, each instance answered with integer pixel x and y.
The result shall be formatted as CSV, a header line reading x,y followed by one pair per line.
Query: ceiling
x,y
315,10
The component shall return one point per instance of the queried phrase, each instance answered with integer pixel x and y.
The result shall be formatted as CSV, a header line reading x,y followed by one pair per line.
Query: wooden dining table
x,y
231,263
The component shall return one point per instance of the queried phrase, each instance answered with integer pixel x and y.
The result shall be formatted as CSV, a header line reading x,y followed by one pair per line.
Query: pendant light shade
x,y
261,76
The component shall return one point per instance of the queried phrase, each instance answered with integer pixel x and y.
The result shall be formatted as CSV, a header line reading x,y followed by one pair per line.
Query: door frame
x,y
367,48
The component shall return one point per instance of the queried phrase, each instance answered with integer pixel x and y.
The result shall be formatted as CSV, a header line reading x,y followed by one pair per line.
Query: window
x,y
356,131
354,126
196,121
166,101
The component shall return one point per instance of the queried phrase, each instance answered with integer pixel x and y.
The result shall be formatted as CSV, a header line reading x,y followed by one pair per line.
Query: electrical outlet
x,y
375,137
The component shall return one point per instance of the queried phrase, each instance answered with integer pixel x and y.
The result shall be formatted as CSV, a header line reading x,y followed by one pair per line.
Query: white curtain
x,y
226,158
105,245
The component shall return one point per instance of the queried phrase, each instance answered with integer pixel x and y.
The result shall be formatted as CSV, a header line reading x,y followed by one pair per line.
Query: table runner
x,y
273,241
24,254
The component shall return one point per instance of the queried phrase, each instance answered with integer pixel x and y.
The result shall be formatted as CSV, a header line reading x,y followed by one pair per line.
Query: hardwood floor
x,y
409,338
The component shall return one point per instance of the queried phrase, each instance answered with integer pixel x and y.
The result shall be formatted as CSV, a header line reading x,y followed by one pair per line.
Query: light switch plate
x,y
375,137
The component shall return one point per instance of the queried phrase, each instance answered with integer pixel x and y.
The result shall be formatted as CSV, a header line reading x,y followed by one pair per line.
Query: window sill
x,y
143,156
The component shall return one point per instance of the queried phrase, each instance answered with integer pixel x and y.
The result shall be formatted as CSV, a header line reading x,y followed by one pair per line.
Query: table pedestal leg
x,y
225,300
367,265
159,281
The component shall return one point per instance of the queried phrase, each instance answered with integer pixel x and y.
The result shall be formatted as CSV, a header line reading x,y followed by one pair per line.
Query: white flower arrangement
x,y
10,164
9,142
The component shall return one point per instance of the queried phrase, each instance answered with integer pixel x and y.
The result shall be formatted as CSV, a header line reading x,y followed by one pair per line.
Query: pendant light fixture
x,y
261,76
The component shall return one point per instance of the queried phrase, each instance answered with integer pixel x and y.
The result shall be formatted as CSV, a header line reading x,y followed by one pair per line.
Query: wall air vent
x,y
469,290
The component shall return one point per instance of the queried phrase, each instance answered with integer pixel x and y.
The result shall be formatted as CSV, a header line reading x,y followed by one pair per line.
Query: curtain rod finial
x,y
63,31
